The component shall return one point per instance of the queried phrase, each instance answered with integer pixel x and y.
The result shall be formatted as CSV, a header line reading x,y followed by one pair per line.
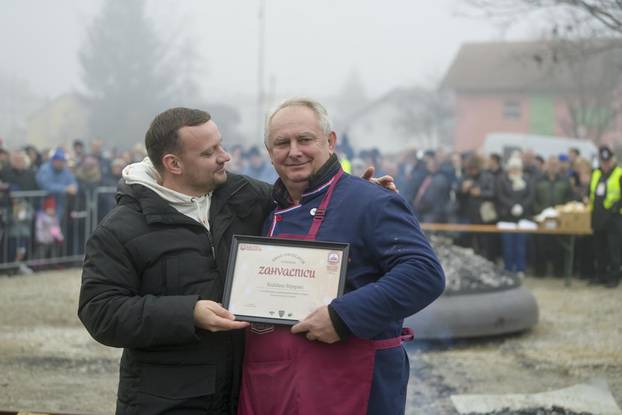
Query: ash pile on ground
x,y
555,410
469,273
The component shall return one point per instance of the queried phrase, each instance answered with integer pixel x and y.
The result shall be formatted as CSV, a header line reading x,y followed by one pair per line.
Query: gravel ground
x,y
535,411
49,363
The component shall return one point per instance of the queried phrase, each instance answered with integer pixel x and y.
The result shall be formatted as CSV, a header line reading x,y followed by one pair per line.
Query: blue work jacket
x,y
392,271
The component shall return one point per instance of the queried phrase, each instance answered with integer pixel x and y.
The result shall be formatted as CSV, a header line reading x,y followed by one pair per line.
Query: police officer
x,y
606,207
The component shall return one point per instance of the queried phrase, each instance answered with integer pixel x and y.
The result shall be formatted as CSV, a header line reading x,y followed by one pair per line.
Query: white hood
x,y
195,207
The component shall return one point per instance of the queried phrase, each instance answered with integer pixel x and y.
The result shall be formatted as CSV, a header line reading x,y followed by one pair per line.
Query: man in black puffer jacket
x,y
154,270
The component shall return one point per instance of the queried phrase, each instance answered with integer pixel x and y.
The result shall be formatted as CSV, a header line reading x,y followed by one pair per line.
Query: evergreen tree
x,y
127,73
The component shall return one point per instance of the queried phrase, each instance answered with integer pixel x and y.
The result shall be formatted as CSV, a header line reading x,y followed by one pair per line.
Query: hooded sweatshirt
x,y
144,174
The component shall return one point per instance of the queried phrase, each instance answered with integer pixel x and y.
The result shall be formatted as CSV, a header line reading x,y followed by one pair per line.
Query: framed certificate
x,y
281,281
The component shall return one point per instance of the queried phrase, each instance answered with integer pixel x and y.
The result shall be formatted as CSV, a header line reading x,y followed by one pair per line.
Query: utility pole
x,y
260,69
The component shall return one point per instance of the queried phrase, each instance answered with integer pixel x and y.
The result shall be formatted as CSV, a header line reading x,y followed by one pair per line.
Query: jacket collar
x,y
154,207
157,209
323,175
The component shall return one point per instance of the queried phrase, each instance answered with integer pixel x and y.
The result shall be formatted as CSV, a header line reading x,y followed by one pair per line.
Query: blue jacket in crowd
x,y
56,181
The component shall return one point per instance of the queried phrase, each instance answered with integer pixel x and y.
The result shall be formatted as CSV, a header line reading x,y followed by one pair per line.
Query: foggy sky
x,y
311,47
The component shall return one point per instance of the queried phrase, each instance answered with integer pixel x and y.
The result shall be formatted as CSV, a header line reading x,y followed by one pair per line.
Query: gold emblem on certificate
x,y
281,281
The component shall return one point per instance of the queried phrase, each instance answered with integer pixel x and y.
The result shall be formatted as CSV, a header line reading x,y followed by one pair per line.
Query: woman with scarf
x,y
516,195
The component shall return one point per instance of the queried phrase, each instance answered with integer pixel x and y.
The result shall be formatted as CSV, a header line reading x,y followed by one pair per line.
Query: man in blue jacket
x,y
55,177
392,273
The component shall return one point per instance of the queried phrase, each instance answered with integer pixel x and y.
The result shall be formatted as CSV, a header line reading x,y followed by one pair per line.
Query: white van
x,y
506,143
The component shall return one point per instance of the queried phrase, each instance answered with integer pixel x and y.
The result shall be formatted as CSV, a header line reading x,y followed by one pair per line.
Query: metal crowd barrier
x,y
29,240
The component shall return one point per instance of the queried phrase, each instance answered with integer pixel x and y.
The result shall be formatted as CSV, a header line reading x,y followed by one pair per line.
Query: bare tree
x,y
17,102
130,73
604,16
582,45
593,69
350,99
426,115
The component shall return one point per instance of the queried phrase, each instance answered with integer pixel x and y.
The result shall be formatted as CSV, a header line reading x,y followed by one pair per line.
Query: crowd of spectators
x,y
50,223
442,187
468,188
44,196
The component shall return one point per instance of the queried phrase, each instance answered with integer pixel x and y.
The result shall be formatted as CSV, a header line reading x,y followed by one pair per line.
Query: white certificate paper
x,y
282,281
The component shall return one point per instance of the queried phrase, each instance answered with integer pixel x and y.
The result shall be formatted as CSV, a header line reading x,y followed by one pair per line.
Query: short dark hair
x,y
162,138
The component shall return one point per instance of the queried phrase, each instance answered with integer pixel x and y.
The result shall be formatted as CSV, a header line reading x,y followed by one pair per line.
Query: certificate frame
x,y
323,283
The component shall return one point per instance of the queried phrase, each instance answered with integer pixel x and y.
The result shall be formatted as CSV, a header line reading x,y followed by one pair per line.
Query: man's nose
x,y
294,149
224,157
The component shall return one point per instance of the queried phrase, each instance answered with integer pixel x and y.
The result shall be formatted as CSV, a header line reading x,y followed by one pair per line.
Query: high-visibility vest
x,y
346,165
613,187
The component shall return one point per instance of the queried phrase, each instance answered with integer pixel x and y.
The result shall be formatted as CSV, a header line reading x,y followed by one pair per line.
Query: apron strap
x,y
320,212
407,335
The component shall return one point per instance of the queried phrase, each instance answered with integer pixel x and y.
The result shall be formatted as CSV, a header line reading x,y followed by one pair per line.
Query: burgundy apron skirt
x,y
286,374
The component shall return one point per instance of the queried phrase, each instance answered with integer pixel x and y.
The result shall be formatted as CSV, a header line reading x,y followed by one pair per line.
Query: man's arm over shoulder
x,y
413,277
264,193
112,309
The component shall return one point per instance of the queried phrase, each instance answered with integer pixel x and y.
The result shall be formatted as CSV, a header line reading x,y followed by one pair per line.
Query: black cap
x,y
605,153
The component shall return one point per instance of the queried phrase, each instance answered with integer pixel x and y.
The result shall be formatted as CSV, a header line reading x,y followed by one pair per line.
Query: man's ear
x,y
332,142
172,164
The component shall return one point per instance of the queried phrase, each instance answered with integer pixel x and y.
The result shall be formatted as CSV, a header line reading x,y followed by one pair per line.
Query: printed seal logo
x,y
333,258
249,247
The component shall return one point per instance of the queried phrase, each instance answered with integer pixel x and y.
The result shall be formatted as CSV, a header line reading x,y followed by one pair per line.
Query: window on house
x,y
511,110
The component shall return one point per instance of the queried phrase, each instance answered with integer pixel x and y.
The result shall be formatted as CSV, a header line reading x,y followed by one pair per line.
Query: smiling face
x,y
298,146
201,161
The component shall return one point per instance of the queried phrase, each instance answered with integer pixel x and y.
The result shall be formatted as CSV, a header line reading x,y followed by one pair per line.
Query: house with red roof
x,y
555,88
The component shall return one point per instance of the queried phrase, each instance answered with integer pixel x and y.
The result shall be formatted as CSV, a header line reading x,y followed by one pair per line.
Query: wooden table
x,y
567,241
